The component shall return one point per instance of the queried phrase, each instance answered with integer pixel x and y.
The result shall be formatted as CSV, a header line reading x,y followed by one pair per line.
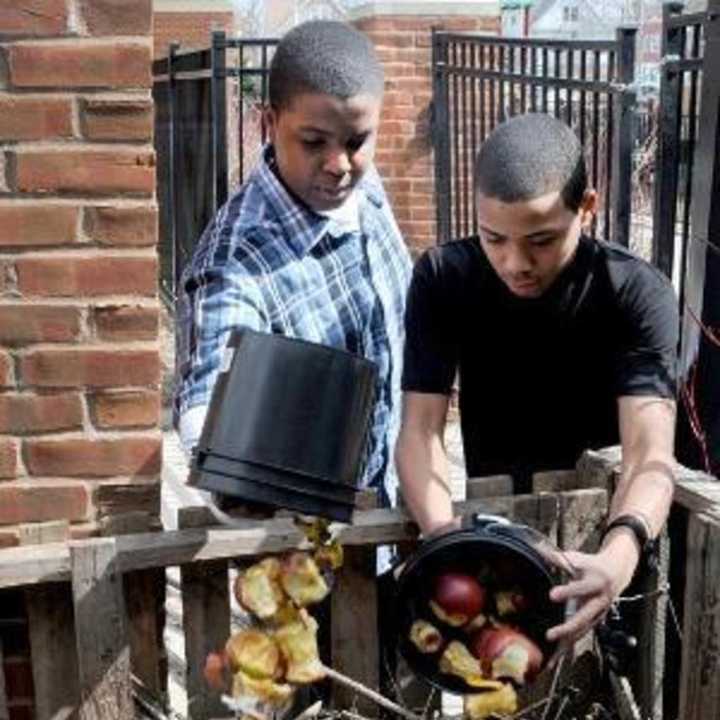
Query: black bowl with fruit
x,y
473,606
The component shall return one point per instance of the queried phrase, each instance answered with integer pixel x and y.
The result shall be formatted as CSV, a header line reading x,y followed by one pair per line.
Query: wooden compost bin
x,y
95,636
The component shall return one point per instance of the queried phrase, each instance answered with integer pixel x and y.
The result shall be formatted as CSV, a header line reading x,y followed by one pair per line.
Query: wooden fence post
x,y
51,626
4,713
700,671
649,675
354,641
354,627
103,645
144,592
204,587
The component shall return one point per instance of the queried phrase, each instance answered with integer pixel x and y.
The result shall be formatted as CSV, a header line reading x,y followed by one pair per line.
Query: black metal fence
x,y
687,241
681,76
480,81
204,102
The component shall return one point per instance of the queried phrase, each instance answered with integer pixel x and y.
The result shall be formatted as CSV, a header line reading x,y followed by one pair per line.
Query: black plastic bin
x,y
287,425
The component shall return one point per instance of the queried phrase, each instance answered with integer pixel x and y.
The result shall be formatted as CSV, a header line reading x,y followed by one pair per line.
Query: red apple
x,y
459,596
507,653
216,670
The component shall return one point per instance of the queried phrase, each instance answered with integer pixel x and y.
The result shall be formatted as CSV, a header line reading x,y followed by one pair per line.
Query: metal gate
x,y
205,101
479,81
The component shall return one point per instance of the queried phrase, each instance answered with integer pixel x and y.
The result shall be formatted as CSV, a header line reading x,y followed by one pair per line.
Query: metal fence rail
x,y
203,100
480,81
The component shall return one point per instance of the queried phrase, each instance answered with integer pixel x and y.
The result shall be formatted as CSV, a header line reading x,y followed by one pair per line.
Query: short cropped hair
x,y
529,156
324,56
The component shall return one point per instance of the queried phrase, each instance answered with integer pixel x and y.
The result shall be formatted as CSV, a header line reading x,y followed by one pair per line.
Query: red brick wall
x,y
190,29
404,155
79,356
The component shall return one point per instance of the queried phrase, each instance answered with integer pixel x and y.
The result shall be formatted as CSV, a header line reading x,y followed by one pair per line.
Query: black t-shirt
x,y
539,378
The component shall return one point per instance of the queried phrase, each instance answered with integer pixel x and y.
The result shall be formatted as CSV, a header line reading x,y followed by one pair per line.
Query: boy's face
x,y
324,144
529,242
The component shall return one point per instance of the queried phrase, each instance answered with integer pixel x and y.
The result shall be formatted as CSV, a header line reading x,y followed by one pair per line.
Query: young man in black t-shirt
x,y
560,343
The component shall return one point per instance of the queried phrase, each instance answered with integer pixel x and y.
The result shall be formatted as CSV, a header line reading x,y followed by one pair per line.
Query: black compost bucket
x,y
515,556
287,425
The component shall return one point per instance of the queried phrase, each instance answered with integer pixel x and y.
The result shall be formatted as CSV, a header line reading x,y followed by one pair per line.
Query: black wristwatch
x,y
648,545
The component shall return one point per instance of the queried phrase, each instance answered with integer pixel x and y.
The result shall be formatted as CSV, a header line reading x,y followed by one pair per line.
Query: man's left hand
x,y
599,580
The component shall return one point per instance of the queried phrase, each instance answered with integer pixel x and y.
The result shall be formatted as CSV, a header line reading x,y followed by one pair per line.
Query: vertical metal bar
x,y
583,96
466,200
218,95
473,129
511,84
596,133
457,180
623,136
556,75
241,113
483,90
441,132
493,51
523,72
533,72
568,91
501,85
264,76
609,153
545,76
666,155
173,148
691,123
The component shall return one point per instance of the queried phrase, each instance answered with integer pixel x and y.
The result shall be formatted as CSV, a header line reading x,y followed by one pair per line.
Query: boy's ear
x,y
588,207
270,118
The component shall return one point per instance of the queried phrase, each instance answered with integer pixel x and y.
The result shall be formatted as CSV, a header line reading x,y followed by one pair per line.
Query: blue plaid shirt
x,y
269,264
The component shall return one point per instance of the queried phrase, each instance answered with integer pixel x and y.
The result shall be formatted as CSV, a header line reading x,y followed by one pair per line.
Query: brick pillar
x,y
401,32
79,355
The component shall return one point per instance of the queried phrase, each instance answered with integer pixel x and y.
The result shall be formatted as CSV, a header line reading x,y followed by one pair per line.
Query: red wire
x,y
687,393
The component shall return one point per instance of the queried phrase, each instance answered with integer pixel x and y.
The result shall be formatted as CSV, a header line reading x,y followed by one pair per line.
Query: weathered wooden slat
x,y
700,671
555,481
599,468
490,486
51,562
206,625
582,514
697,491
144,592
649,672
541,512
4,712
144,600
51,623
51,626
103,646
354,623
627,708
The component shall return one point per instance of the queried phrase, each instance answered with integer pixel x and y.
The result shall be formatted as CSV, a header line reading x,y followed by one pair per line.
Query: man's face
x,y
324,144
529,242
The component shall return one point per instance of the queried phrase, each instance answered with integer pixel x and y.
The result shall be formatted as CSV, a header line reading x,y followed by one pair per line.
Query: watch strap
x,y
640,529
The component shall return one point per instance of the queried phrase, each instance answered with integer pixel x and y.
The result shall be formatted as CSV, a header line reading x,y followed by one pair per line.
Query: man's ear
x,y
588,207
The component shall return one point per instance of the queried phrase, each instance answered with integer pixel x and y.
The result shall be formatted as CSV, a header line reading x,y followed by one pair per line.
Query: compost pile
x,y
473,629
262,666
